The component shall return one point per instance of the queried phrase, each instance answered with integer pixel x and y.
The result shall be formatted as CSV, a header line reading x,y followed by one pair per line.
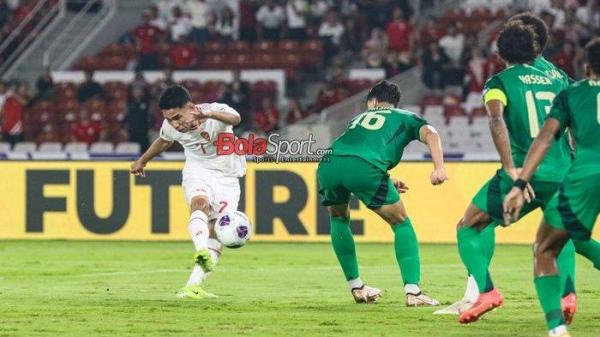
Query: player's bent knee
x,y
392,214
338,211
543,252
200,204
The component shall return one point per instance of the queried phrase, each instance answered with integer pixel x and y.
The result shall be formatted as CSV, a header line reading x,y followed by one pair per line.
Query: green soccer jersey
x,y
552,71
578,108
379,136
527,94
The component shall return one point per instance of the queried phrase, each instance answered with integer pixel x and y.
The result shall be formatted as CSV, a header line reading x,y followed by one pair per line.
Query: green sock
x,y
590,249
471,251
407,252
566,268
548,290
343,246
488,238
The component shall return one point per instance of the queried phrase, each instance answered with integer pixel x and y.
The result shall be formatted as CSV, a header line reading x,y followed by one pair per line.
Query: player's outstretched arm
x,y
515,199
499,131
221,112
157,147
431,138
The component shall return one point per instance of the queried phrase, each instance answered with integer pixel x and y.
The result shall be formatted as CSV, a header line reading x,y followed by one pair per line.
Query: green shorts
x,y
575,207
339,176
490,197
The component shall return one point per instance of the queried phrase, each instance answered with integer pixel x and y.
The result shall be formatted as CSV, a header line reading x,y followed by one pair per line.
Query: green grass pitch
x,y
62,288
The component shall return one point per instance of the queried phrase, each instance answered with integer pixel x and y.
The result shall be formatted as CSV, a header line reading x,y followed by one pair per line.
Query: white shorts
x,y
223,192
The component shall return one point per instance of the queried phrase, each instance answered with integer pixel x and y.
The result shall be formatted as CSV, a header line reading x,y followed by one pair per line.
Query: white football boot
x,y
366,294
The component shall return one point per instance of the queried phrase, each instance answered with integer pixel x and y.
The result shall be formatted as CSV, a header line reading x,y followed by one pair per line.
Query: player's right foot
x,y
559,331
420,299
485,302
204,260
366,294
569,307
456,308
194,292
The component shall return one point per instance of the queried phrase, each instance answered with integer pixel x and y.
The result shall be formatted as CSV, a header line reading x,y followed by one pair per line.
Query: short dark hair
x,y
592,54
538,25
385,91
516,44
175,96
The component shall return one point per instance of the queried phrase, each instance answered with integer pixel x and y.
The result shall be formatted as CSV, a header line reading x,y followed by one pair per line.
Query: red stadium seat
x,y
264,46
212,47
87,63
357,85
288,46
454,111
312,54
239,47
112,49
430,99
260,87
263,60
216,61
289,60
240,61
115,62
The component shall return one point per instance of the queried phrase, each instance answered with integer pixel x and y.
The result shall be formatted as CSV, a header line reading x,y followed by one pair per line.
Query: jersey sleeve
x,y
166,132
494,90
415,124
560,111
221,107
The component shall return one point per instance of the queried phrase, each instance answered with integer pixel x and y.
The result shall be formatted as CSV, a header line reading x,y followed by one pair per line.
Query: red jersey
x,y
183,56
267,119
147,36
87,131
12,116
398,33
328,97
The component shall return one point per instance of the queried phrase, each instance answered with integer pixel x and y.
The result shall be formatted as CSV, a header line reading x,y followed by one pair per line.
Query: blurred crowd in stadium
x,y
306,38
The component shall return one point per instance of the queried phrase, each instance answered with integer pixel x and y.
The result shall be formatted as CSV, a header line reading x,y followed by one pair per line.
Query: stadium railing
x,y
56,11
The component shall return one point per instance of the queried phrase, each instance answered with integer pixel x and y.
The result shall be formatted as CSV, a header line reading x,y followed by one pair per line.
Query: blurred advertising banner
x,y
100,200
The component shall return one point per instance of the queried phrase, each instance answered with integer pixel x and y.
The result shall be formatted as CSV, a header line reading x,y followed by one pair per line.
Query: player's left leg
x,y
199,232
345,251
208,194
332,175
573,210
548,244
406,247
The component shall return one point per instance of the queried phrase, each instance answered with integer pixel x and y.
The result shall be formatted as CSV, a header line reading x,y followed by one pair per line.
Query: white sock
x,y
197,276
214,248
412,289
356,283
558,331
472,291
198,228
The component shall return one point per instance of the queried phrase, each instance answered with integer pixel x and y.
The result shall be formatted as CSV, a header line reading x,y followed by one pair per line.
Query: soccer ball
x,y
233,229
